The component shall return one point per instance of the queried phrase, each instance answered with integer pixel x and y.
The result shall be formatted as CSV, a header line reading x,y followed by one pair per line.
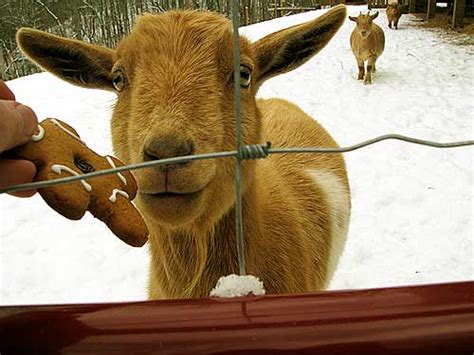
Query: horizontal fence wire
x,y
259,151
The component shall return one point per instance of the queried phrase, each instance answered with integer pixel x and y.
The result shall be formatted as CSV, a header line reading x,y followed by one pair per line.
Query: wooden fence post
x,y
412,6
430,13
458,12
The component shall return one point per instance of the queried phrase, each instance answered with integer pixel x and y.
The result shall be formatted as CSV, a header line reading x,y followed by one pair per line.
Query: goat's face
x,y
364,23
174,75
174,79
393,7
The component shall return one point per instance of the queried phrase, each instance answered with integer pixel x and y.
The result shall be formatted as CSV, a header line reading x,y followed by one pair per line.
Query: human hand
x,y
17,124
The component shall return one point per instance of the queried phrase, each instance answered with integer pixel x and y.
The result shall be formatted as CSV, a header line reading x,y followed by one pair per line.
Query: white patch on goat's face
x,y
364,25
338,197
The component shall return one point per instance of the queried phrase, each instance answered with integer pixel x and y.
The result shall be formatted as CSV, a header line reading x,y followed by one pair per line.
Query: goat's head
x,y
174,79
393,6
364,23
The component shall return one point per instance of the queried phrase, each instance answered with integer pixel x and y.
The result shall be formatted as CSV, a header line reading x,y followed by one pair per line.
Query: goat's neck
x,y
180,255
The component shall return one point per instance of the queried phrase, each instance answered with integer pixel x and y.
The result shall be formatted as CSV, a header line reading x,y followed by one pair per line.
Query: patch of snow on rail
x,y
238,286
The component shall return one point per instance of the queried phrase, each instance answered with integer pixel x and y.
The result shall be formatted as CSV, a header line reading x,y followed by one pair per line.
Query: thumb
x,y
17,124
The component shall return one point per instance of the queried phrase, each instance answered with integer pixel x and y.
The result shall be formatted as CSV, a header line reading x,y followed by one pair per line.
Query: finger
x,y
17,124
5,92
14,172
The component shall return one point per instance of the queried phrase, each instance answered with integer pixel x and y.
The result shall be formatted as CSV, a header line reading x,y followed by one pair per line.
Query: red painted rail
x,y
437,319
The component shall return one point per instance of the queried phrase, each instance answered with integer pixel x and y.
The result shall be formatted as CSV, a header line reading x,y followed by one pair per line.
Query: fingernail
x,y
25,111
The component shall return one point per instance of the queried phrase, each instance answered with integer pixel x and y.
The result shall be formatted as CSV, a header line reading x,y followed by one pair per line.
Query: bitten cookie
x,y
57,151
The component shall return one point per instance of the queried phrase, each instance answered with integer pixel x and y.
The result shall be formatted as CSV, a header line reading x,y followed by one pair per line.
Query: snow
x,y
238,286
412,206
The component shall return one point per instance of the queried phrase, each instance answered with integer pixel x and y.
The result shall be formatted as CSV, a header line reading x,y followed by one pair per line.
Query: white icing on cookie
x,y
57,168
65,129
39,136
112,164
113,197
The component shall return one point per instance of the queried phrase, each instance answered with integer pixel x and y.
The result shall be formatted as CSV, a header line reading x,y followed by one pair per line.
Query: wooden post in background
x,y
430,13
412,6
458,13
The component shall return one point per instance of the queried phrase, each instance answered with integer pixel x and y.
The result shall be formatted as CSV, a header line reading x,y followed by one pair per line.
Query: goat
x,y
394,12
367,43
173,75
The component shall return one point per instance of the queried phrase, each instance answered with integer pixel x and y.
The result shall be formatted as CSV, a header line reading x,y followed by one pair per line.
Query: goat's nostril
x,y
149,155
168,147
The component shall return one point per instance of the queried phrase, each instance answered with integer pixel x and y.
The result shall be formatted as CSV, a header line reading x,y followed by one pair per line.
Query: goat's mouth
x,y
171,208
170,195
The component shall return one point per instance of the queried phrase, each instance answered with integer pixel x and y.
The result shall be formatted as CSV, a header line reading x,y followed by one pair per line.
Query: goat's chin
x,y
171,210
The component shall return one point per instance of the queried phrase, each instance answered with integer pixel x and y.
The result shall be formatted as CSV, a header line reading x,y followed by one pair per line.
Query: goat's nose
x,y
168,147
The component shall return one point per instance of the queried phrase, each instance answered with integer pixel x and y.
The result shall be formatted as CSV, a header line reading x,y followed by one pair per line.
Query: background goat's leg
x,y
370,69
360,64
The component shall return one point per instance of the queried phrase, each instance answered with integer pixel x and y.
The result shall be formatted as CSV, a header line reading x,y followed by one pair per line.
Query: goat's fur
x,y
394,12
367,43
175,98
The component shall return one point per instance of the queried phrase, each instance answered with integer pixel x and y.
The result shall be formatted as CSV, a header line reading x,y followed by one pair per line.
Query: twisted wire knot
x,y
255,151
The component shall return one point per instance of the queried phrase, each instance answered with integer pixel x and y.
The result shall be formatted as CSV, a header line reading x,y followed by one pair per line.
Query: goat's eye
x,y
245,76
118,79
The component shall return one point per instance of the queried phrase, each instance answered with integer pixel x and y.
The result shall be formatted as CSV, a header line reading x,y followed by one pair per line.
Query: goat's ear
x,y
352,18
374,15
287,49
77,62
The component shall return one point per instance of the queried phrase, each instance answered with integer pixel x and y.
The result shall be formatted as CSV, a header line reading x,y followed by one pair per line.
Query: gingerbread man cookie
x,y
58,151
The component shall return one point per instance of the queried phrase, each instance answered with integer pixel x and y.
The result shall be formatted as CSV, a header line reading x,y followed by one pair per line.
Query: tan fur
x,y
394,12
367,43
178,98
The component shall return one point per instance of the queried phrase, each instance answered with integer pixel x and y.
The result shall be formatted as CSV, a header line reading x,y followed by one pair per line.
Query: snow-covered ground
x,y
412,218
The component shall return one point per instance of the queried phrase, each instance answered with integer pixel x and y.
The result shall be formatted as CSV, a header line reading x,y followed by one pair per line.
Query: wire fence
x,y
242,152
257,151
238,126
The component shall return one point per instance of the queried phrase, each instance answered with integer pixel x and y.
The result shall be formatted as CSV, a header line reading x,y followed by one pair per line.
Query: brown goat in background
x,y
174,79
367,43
394,12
